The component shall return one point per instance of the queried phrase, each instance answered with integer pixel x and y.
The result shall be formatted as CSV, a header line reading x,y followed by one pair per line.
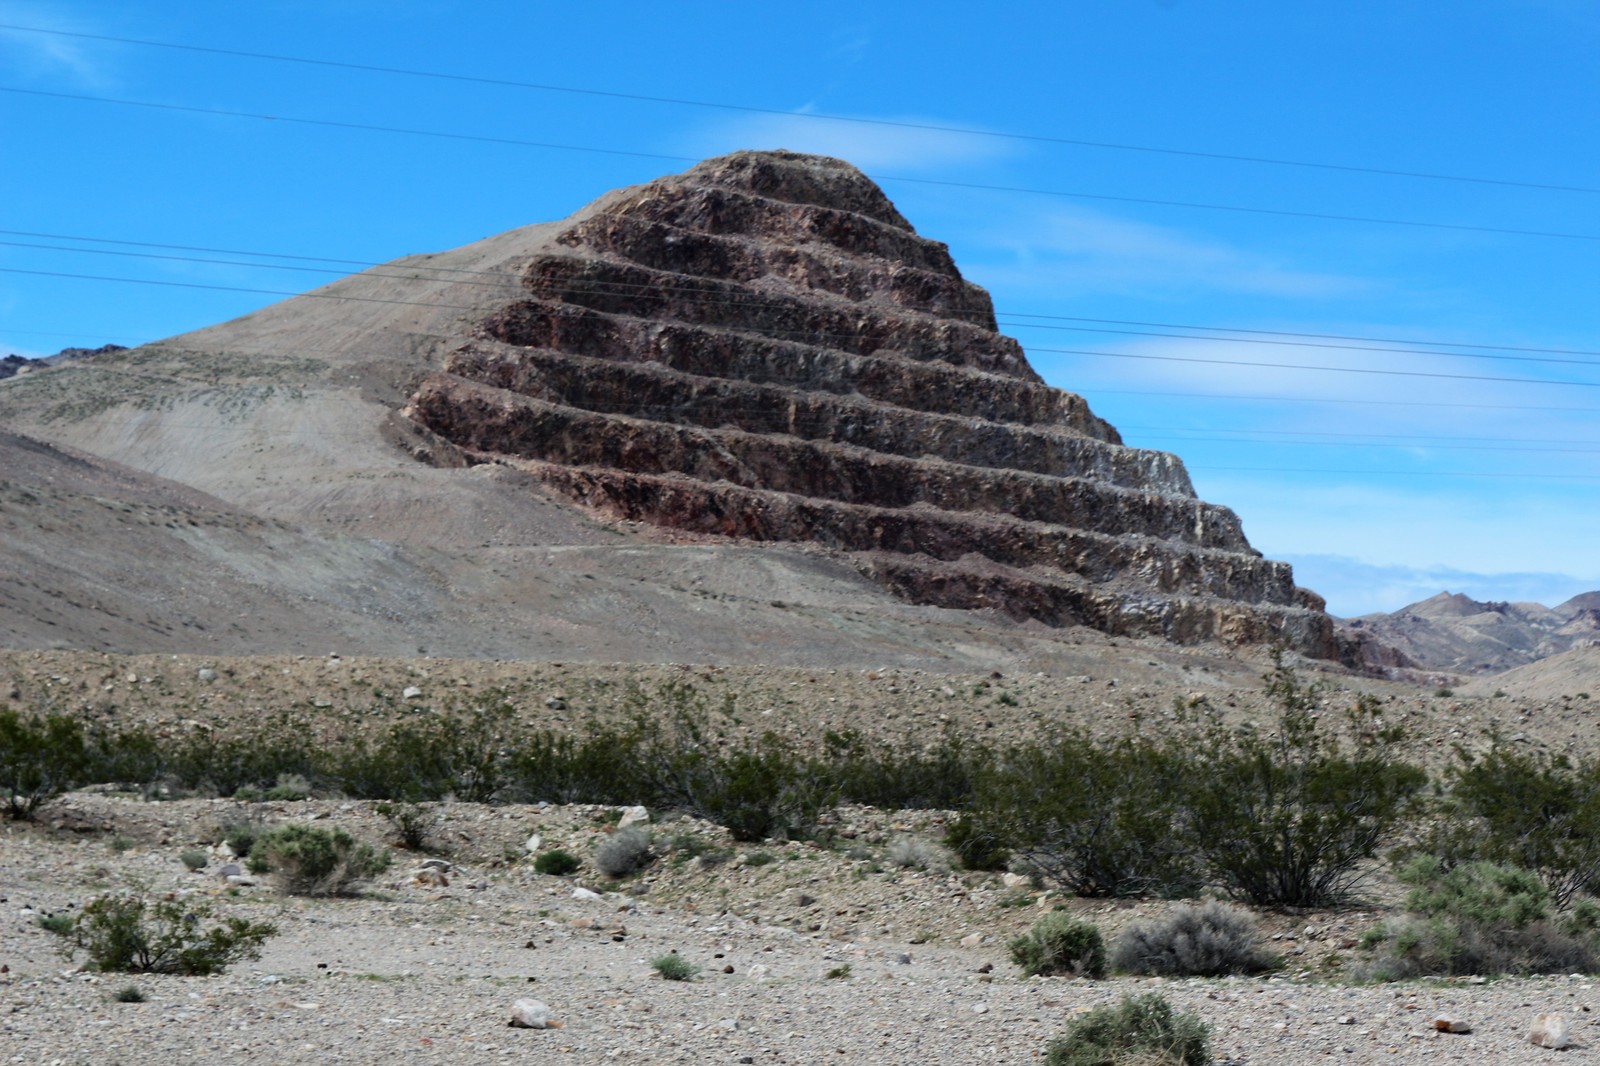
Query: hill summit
x,y
763,348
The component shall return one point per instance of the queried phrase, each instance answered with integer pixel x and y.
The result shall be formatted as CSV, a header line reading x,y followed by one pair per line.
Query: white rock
x,y
529,1014
972,940
412,692
533,843
1550,1031
1450,1023
206,674
758,972
1013,880
633,816
584,893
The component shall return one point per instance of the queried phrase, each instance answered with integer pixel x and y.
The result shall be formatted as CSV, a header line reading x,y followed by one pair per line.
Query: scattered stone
x,y
437,864
1011,880
904,958
531,1014
1550,1031
1347,1019
758,972
555,703
987,967
533,844
206,674
411,692
585,893
1450,1023
633,816
972,940
431,876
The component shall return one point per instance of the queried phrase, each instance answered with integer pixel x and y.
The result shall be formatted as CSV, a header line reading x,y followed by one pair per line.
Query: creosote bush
x,y
624,852
1201,941
40,758
1138,1031
1058,943
308,860
134,933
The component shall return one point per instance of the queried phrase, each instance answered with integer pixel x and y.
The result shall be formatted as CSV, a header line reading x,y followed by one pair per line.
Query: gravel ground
x,y
405,972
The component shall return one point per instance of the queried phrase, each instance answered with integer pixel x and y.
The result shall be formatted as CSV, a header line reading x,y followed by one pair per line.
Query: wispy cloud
x,y
46,57
870,147
1083,251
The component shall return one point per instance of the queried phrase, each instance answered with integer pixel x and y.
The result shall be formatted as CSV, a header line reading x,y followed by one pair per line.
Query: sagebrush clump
x,y
556,862
308,860
624,852
1061,944
1204,941
1138,1031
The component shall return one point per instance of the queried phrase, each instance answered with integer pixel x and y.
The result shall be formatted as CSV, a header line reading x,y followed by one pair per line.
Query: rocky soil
x,y
806,955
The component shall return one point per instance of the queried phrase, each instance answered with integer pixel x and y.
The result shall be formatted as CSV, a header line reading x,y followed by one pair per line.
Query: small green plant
x,y
673,967
240,835
413,822
1444,693
556,862
118,843
194,858
1061,944
309,860
913,853
60,924
289,788
133,933
839,973
1204,941
129,994
760,858
1138,1031
624,852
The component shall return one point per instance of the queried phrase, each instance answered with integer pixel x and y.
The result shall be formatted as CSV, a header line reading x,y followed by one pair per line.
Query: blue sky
x,y
1071,155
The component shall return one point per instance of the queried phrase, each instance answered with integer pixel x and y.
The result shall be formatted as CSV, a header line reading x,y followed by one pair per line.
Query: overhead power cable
x,y
1197,205
721,297
813,333
931,127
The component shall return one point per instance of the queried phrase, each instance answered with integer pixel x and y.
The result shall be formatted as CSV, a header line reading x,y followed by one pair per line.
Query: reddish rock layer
x,y
763,348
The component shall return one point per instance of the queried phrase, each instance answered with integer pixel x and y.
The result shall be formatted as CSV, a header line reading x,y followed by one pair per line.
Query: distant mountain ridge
x,y
1454,632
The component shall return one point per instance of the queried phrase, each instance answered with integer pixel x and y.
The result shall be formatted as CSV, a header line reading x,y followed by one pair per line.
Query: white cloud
x,y
914,146
44,56
1081,251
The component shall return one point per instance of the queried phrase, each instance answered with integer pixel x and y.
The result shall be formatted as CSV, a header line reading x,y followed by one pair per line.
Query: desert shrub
x,y
1060,944
194,858
459,753
556,863
289,788
136,934
129,994
205,762
674,967
1480,918
1288,818
240,834
1529,809
41,756
1094,816
936,776
412,822
309,860
976,843
1138,1031
624,852
913,853
1204,941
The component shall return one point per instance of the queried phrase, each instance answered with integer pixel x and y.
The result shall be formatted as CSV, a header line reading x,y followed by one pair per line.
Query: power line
x,y
1007,313
729,300
811,333
1068,194
815,116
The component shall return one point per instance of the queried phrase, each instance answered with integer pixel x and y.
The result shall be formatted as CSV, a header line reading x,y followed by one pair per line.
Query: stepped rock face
x,y
763,348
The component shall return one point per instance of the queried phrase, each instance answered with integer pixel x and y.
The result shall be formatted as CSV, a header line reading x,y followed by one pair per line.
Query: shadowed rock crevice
x,y
763,348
